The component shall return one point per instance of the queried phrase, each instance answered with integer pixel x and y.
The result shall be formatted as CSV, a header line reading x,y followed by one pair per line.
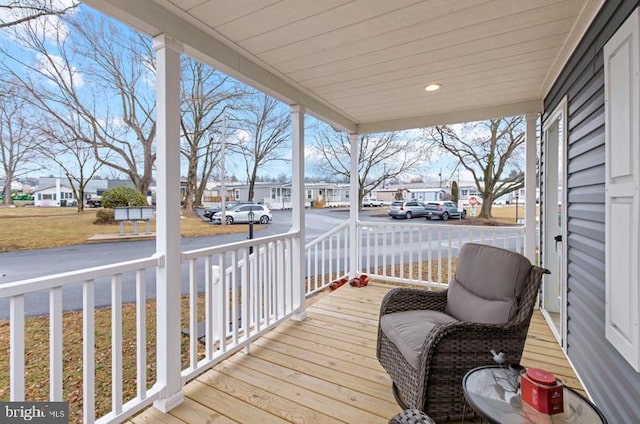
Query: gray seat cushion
x,y
487,284
408,330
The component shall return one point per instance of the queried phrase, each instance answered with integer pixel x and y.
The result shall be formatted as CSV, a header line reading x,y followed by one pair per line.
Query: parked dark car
x,y
209,212
407,209
444,210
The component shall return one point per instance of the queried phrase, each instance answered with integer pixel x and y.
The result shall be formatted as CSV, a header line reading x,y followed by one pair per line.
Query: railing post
x,y
168,222
298,211
354,206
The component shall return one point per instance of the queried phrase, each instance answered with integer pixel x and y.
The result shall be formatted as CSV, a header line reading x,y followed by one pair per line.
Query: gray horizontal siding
x,y
614,385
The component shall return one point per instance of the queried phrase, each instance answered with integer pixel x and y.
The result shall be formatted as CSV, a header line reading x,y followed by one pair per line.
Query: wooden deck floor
x,y
321,370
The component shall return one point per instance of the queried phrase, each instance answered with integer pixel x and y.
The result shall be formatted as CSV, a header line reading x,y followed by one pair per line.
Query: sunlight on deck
x,y
321,370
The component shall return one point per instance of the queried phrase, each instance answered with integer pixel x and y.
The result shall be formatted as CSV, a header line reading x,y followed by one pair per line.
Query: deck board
x,y
321,370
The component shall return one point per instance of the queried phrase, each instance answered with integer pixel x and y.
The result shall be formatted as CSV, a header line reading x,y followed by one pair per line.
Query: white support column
x,y
298,210
168,276
354,206
531,156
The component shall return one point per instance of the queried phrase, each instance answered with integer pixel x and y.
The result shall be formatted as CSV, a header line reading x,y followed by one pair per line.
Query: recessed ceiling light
x,y
433,86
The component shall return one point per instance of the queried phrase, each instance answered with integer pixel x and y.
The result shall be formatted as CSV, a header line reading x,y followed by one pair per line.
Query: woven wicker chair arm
x,y
471,334
408,299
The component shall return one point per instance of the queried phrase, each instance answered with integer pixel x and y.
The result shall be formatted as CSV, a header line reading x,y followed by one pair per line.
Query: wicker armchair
x,y
428,340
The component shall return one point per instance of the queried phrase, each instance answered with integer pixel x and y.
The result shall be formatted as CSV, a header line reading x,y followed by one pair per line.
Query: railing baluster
x,y
411,250
141,334
420,254
376,253
193,315
439,279
245,296
429,277
116,344
55,344
321,279
16,354
316,267
393,252
88,353
234,296
269,278
221,296
208,308
311,271
257,290
280,283
449,240
288,265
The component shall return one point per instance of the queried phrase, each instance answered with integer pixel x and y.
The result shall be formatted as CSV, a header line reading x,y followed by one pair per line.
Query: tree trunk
x,y
80,199
487,204
6,193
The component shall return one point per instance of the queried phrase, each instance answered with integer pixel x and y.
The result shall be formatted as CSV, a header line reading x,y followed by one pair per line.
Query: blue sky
x,y
429,171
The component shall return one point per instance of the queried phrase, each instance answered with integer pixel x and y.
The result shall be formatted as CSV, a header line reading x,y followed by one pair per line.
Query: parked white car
x,y
372,202
261,214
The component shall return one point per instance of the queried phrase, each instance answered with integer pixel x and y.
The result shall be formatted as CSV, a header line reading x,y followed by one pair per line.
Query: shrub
x,y
104,216
123,196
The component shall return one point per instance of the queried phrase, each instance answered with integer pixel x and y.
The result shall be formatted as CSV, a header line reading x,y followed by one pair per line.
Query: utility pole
x,y
223,189
384,174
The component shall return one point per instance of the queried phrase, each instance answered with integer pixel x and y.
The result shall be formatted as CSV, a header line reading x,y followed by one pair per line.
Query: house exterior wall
x,y
50,196
427,194
608,378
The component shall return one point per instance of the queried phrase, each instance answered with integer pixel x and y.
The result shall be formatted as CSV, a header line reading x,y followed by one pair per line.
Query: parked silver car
x,y
261,214
407,209
444,210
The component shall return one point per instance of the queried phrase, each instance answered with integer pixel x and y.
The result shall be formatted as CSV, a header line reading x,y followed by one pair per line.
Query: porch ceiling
x,y
362,65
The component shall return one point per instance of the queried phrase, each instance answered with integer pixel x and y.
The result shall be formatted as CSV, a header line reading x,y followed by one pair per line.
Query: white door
x,y
555,205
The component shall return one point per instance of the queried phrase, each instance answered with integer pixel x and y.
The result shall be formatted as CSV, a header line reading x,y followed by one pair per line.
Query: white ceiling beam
x,y
454,117
152,19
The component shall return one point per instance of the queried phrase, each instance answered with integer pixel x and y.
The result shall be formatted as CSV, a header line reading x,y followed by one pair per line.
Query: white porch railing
x,y
254,293
107,280
234,293
327,258
424,254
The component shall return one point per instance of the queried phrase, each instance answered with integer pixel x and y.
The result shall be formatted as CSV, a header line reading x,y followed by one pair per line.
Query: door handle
x,y
558,239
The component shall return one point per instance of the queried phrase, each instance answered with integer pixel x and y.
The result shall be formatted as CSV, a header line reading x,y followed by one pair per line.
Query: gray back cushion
x,y
487,284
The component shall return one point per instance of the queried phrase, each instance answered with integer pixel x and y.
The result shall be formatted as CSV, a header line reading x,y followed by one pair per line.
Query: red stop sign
x,y
473,201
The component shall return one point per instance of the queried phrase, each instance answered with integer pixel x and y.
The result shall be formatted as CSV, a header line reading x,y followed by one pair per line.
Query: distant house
x,y
54,195
51,190
427,194
329,194
414,191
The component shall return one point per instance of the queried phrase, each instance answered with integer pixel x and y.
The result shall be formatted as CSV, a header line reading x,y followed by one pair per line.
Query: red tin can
x,y
542,390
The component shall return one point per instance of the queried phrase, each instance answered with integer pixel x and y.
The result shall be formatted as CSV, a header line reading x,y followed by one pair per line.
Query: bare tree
x,y
489,150
382,157
206,94
17,140
265,128
76,158
101,74
15,12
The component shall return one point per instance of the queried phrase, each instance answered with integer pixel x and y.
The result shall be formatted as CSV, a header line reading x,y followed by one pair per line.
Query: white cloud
x,y
49,26
242,136
59,67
